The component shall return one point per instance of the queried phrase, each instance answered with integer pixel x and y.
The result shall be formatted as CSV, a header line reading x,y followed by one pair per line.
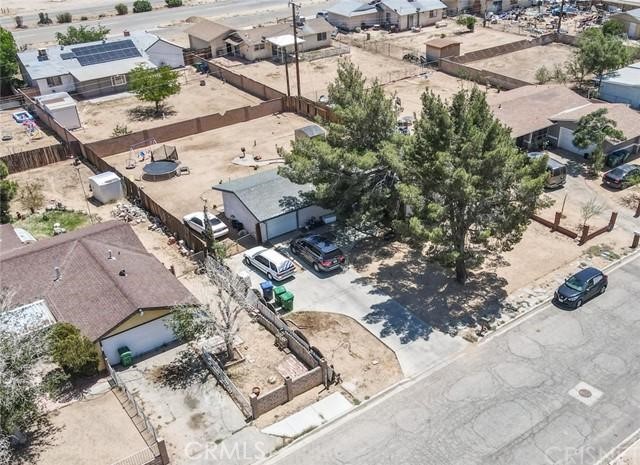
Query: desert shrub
x,y
140,6
64,17
122,9
173,3
43,18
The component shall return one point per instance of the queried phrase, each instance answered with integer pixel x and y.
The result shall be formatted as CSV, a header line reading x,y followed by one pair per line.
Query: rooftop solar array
x,y
67,56
104,53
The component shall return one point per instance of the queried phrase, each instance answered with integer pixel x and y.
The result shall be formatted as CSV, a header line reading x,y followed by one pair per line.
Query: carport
x,y
268,205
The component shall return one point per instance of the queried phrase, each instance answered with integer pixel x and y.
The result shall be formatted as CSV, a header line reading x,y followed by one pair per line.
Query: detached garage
x,y
268,205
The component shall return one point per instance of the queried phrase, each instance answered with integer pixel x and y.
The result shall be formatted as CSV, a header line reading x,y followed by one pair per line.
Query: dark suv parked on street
x,y
319,251
581,287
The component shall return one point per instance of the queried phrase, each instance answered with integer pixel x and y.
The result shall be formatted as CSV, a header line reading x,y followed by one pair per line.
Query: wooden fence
x,y
22,161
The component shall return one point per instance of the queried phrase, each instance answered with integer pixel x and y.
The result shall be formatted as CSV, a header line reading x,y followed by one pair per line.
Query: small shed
x,y
442,48
106,187
61,107
310,132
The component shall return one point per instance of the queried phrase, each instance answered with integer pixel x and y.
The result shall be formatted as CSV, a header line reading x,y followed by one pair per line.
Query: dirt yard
x,y
21,141
365,364
317,74
99,116
480,39
630,457
523,64
209,156
410,90
75,426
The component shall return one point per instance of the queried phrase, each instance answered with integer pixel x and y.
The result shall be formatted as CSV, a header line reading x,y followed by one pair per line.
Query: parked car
x,y
566,11
617,158
273,264
622,176
557,171
581,287
196,222
319,251
322,14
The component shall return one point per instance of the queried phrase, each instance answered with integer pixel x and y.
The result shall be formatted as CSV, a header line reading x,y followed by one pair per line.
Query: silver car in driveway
x,y
274,265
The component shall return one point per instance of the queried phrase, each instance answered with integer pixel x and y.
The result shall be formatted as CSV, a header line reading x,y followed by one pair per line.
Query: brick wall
x,y
307,381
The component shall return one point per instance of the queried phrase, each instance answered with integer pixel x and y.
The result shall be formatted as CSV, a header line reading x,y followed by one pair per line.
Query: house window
x,y
258,47
321,36
433,13
118,80
54,81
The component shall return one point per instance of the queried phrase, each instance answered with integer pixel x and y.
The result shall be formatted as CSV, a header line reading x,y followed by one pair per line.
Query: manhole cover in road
x,y
584,393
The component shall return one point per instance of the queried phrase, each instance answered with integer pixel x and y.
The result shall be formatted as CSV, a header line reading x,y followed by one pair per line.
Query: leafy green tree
x,y
468,186
141,6
600,53
355,169
594,129
467,20
613,27
82,34
31,196
8,191
8,61
153,85
73,351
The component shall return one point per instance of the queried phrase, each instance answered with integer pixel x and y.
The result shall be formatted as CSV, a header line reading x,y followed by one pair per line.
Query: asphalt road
x,y
507,400
235,13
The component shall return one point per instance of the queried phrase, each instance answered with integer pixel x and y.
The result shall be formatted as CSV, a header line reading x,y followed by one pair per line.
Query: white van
x,y
274,265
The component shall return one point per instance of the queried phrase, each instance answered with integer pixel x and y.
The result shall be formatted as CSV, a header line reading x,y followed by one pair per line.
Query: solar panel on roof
x,y
104,53
67,56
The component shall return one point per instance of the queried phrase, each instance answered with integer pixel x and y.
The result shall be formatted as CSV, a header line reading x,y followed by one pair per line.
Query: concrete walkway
x,y
310,417
415,344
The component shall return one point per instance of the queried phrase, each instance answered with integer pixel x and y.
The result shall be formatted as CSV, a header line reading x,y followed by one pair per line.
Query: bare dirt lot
x,y
21,141
316,75
209,156
112,438
365,364
523,64
410,90
480,39
100,116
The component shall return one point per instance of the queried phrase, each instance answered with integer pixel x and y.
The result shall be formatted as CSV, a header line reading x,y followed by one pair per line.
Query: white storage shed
x,y
106,187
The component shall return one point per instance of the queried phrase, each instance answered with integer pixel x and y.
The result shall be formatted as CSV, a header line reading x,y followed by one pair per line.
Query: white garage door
x,y
281,225
565,141
139,340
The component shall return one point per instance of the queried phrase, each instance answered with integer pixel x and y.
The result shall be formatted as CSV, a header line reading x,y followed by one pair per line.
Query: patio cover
x,y
283,40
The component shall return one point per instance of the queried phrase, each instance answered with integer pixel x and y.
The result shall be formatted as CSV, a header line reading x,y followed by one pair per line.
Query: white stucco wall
x,y
234,209
163,53
68,85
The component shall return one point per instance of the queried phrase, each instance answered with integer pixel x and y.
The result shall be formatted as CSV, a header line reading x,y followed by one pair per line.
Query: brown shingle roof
x,y
9,240
529,108
207,30
90,292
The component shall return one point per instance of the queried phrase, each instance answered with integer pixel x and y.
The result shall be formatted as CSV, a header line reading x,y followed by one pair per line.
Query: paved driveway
x,y
511,401
416,345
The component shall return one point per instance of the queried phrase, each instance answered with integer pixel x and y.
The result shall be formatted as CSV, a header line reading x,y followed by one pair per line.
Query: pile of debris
x,y
129,213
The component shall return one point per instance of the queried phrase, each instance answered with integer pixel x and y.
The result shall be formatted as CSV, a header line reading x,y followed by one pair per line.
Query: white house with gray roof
x,y
399,14
267,204
96,68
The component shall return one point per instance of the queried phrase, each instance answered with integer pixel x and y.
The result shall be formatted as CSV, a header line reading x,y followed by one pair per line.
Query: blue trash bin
x,y
267,290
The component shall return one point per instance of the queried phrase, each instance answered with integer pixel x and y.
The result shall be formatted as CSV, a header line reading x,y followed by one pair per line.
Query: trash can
x,y
278,291
286,300
267,290
126,357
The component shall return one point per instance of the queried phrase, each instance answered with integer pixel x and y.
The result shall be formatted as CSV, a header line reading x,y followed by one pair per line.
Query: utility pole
x,y
560,16
295,48
286,71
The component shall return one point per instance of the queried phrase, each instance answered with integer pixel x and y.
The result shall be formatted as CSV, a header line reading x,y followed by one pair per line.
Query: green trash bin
x,y
277,292
286,300
126,357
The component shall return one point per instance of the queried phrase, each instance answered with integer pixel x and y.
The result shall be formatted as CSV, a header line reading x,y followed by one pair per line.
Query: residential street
x,y
235,13
507,401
